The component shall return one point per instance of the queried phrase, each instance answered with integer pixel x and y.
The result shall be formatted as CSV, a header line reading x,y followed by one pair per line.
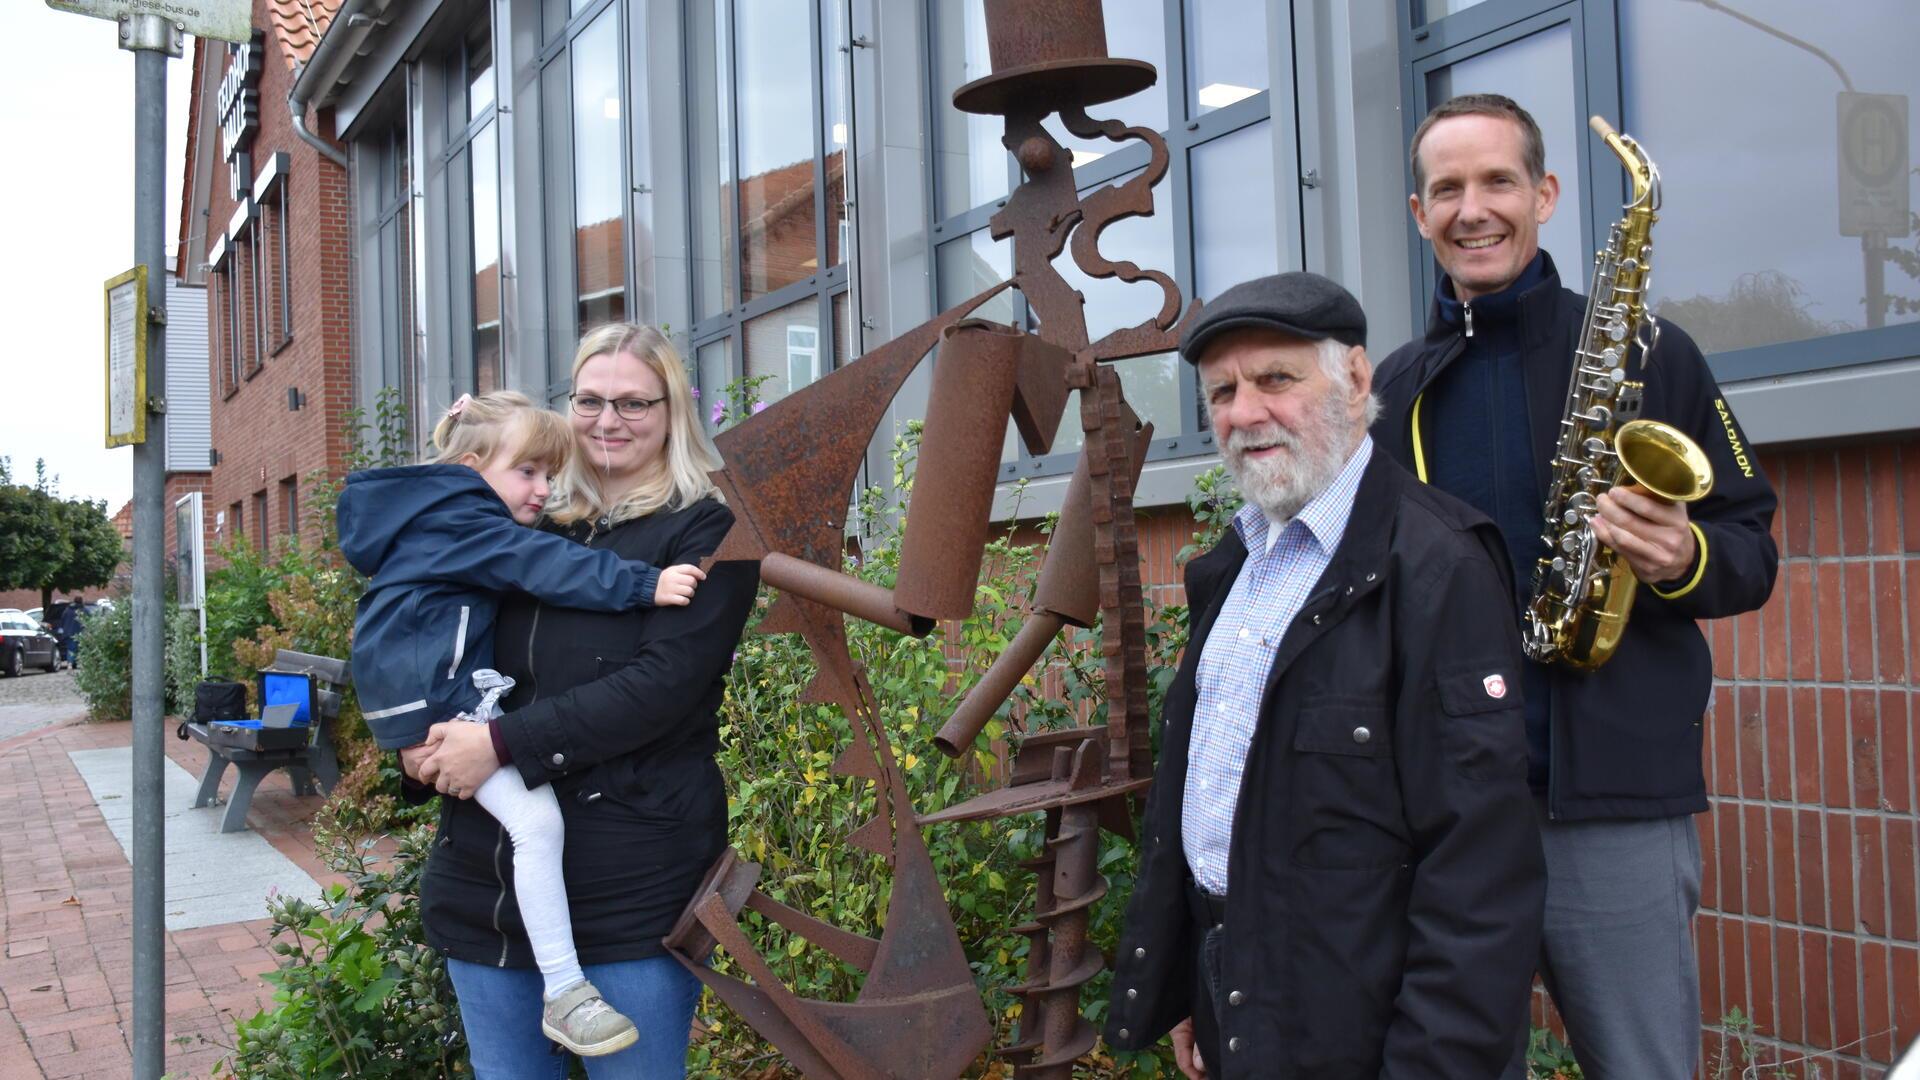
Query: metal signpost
x,y
152,30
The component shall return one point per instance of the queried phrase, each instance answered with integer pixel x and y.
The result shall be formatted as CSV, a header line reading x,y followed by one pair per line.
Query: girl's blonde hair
x,y
678,477
501,422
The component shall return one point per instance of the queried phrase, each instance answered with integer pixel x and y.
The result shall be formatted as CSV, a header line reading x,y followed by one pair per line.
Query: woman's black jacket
x,y
620,713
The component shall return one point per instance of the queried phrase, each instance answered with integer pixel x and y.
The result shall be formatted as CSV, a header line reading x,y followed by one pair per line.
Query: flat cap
x,y
1298,303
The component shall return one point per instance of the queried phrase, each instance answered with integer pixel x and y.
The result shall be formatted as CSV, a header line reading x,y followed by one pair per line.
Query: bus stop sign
x,y
222,20
1875,157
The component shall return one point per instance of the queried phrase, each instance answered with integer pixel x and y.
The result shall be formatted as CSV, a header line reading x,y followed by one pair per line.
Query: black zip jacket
x,y
620,713
1385,889
1624,741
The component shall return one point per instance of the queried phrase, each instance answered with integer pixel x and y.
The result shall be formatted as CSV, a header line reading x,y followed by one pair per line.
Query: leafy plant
x,y
1549,1058
359,993
105,675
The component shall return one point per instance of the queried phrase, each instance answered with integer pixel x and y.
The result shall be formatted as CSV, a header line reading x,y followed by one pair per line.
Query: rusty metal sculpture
x,y
789,469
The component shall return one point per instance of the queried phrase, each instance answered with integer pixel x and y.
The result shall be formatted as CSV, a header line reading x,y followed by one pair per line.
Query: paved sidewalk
x,y
65,912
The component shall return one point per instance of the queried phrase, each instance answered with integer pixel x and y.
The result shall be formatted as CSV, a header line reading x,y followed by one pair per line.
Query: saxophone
x,y
1582,590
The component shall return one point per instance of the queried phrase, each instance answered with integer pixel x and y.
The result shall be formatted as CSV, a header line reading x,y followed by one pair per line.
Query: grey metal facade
x,y
1345,82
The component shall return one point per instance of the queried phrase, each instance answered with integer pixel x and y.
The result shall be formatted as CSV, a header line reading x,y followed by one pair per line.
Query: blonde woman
x,y
619,713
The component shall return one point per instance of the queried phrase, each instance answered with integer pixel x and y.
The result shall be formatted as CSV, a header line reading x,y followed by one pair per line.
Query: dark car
x,y
24,644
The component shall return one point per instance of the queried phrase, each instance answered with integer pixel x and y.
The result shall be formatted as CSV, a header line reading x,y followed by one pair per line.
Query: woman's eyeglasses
x,y
629,408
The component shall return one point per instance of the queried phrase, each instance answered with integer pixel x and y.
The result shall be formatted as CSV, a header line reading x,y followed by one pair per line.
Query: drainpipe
x,y
338,46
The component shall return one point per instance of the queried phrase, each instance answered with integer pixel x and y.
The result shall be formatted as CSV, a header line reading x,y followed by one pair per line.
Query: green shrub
x,y
105,674
359,993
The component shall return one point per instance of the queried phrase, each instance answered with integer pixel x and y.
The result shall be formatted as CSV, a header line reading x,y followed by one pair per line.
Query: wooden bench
x,y
311,764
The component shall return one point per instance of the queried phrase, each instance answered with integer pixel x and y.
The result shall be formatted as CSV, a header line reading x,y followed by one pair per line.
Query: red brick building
x,y
264,226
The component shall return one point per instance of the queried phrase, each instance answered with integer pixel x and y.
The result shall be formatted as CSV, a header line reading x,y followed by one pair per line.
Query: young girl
x,y
439,543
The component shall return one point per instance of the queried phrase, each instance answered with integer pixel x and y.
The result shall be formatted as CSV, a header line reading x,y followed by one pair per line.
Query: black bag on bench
x,y
219,701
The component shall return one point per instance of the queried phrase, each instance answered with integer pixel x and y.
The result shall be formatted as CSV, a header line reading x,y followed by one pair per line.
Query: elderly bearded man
x,y
1340,873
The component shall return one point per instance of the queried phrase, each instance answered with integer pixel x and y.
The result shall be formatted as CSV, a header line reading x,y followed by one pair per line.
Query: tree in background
x,y
53,544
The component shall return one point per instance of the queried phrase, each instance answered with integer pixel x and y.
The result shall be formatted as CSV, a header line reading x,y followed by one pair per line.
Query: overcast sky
x,y
68,128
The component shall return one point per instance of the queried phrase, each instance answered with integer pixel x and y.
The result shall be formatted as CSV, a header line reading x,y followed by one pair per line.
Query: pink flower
x,y
696,392
759,407
719,407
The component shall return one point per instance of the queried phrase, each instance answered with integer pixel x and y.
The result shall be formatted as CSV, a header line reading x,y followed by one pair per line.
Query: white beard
x,y
1310,459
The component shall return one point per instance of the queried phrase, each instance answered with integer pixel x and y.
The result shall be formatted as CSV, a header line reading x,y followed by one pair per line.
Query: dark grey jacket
x,y
1385,893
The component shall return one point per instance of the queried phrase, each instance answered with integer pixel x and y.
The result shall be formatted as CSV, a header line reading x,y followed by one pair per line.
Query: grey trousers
x,y
1617,950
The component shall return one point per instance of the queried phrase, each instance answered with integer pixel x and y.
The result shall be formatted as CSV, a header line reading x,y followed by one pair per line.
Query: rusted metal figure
x,y
789,470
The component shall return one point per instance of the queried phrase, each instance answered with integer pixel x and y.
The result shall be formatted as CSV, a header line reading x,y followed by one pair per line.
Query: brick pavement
x,y
65,914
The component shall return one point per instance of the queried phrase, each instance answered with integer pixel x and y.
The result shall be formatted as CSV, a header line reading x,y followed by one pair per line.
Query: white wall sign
x,y
224,20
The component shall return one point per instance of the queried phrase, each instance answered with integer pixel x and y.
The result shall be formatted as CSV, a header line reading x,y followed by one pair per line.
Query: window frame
x,y
1598,60
826,283
453,162
558,227
1186,132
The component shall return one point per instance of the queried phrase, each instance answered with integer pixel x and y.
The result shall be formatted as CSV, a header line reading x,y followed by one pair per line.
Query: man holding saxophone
x,y
1477,408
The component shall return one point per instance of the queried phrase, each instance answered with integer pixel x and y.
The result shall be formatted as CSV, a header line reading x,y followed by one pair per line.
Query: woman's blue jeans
x,y
500,1009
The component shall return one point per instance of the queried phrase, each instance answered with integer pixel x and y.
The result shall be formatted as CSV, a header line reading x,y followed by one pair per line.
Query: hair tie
x,y
459,406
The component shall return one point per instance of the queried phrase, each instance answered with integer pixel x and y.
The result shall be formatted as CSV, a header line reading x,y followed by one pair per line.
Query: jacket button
x,y
1236,998
1131,994
1370,577
1140,954
1124,1034
1316,620
1362,735
1233,1044
559,760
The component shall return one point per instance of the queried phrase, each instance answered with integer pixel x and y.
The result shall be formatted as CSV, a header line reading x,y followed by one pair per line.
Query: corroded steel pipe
x,y
841,592
1008,669
947,515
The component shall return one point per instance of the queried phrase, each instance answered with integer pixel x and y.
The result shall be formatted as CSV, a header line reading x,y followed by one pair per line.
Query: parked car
x,y
23,644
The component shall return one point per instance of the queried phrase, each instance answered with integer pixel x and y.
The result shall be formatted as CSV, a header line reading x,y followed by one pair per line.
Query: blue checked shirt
x,y
1283,565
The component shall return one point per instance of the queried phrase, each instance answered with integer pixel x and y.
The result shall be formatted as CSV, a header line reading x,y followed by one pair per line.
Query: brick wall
x,y
262,444
1809,921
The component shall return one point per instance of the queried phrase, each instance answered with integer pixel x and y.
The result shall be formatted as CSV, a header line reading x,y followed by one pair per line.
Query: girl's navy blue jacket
x,y
440,547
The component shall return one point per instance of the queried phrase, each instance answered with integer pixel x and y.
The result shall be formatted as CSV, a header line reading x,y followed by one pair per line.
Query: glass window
x,y
772,341
598,184
710,131
715,363
1537,72
842,328
480,70
1234,238
483,153
1136,30
1787,204
1440,9
973,168
837,121
260,526
972,264
1227,52
290,503
774,73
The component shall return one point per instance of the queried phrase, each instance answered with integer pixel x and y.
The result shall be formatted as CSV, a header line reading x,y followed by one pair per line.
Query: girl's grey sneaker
x,y
585,1024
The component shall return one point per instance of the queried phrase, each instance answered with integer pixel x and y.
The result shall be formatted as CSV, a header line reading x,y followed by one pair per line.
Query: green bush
x,y
105,674
359,993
